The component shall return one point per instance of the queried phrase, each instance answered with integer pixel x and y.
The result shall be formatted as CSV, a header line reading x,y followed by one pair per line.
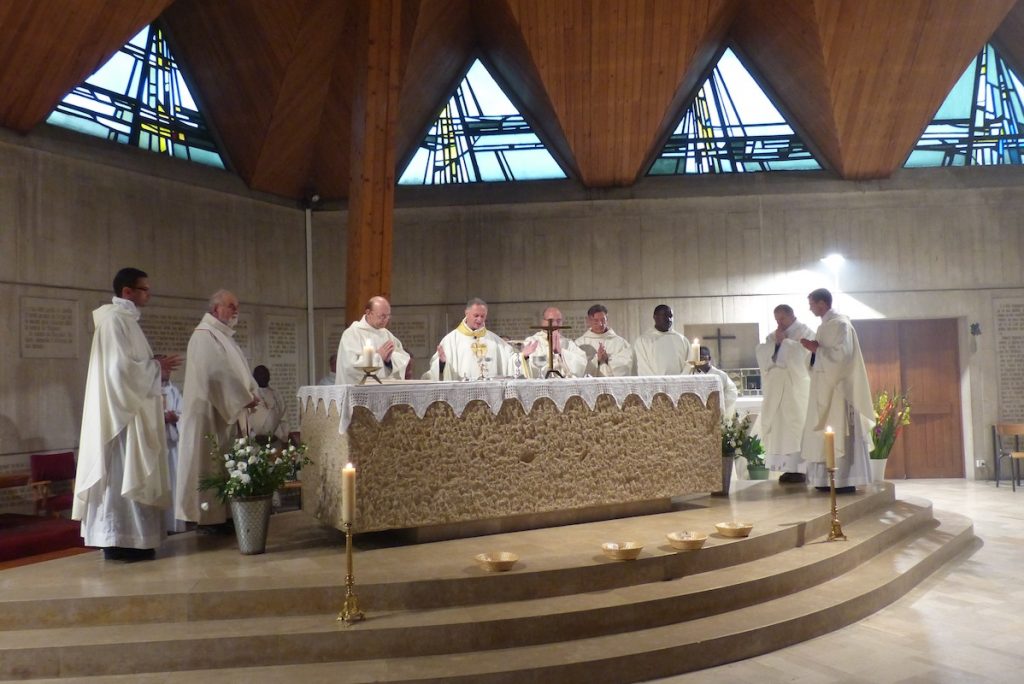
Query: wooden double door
x,y
923,357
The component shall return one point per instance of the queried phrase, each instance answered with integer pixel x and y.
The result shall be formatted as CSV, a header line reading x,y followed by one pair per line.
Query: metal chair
x,y
1008,443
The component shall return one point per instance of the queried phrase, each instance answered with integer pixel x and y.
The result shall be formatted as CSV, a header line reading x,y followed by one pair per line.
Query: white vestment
x,y
473,354
785,383
571,362
329,379
268,416
841,398
727,399
218,387
350,352
121,484
661,353
620,354
173,403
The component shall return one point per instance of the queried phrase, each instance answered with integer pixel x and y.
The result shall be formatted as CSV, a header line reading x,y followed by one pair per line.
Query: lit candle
x,y
367,358
695,350
830,448
348,493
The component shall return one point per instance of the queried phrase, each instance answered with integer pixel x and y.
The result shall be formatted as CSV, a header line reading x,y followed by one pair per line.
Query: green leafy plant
x,y
753,451
735,434
892,413
252,469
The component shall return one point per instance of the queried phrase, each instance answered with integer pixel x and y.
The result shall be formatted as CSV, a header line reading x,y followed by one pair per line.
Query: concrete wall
x,y
926,244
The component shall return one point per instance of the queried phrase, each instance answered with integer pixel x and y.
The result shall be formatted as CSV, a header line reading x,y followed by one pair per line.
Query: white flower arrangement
x,y
249,468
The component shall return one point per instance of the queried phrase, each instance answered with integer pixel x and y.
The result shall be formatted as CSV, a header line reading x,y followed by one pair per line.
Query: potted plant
x,y
753,451
735,433
892,413
248,475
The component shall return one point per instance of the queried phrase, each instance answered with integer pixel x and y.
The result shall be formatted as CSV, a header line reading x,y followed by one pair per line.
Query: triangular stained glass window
x,y
732,127
139,97
980,121
479,136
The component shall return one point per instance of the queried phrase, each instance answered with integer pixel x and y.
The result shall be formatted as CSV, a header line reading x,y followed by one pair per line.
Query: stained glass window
x,y
479,135
732,127
980,121
140,98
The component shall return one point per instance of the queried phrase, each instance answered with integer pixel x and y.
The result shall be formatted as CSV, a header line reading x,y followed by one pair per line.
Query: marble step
x,y
643,654
311,638
566,571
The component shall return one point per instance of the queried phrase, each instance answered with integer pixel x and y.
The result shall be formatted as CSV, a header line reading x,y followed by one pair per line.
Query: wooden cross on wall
x,y
718,337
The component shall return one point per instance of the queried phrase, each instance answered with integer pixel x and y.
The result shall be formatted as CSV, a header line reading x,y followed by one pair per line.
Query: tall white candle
x,y
695,350
830,448
367,358
348,493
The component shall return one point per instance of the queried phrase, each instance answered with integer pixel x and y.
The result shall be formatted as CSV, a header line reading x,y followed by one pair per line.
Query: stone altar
x,y
488,456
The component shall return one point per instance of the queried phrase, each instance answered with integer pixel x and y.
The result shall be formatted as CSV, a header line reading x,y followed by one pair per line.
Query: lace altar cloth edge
x,y
379,398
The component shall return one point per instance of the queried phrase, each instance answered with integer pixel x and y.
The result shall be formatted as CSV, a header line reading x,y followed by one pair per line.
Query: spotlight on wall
x,y
975,329
834,261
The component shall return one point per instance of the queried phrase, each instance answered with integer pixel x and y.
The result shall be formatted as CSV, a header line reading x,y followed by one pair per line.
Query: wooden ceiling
x,y
602,81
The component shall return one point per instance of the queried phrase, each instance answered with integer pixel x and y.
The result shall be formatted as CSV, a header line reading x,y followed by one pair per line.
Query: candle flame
x,y
828,428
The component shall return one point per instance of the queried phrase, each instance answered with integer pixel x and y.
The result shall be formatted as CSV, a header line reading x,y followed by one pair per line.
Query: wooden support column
x,y
372,185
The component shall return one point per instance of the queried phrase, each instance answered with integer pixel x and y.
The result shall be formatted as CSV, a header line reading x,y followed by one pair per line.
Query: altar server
x,y
122,484
785,383
219,390
727,398
839,397
471,351
661,350
368,342
608,354
173,403
568,358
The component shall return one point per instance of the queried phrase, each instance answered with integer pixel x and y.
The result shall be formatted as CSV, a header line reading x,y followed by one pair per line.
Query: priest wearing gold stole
x,y
122,484
471,351
567,358
840,398
661,350
785,382
608,355
219,390
369,339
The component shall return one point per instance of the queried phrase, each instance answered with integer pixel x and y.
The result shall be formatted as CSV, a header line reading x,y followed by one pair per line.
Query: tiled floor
x,y
963,624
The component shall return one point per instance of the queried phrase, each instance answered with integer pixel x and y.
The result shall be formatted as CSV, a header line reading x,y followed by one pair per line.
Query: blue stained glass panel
x,y
732,127
139,97
479,136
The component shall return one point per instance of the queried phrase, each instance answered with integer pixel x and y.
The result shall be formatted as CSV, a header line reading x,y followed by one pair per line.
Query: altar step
x,y
639,629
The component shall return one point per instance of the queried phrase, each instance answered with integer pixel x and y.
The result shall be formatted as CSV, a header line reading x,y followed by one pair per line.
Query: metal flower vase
x,y
727,466
252,519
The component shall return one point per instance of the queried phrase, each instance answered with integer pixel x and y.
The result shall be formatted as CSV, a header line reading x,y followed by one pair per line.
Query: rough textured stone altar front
x,y
444,468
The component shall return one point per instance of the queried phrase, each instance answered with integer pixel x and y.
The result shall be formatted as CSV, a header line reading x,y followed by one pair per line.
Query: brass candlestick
x,y
350,612
837,530
369,372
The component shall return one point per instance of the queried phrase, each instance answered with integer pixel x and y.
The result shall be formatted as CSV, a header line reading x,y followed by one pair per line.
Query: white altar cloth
x,y
420,395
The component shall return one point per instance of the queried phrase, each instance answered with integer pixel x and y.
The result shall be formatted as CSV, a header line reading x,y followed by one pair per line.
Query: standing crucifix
x,y
550,328
718,337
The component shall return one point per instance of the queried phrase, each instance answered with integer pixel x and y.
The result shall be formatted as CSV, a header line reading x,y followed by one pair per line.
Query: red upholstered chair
x,y
47,470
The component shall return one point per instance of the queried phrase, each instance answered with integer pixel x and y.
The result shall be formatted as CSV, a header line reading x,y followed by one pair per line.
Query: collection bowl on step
x,y
496,561
686,540
734,529
628,550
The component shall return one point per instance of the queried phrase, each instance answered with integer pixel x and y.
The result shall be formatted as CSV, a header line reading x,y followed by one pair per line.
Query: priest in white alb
x,y
471,351
608,355
368,342
219,391
566,358
661,350
122,483
840,398
785,383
